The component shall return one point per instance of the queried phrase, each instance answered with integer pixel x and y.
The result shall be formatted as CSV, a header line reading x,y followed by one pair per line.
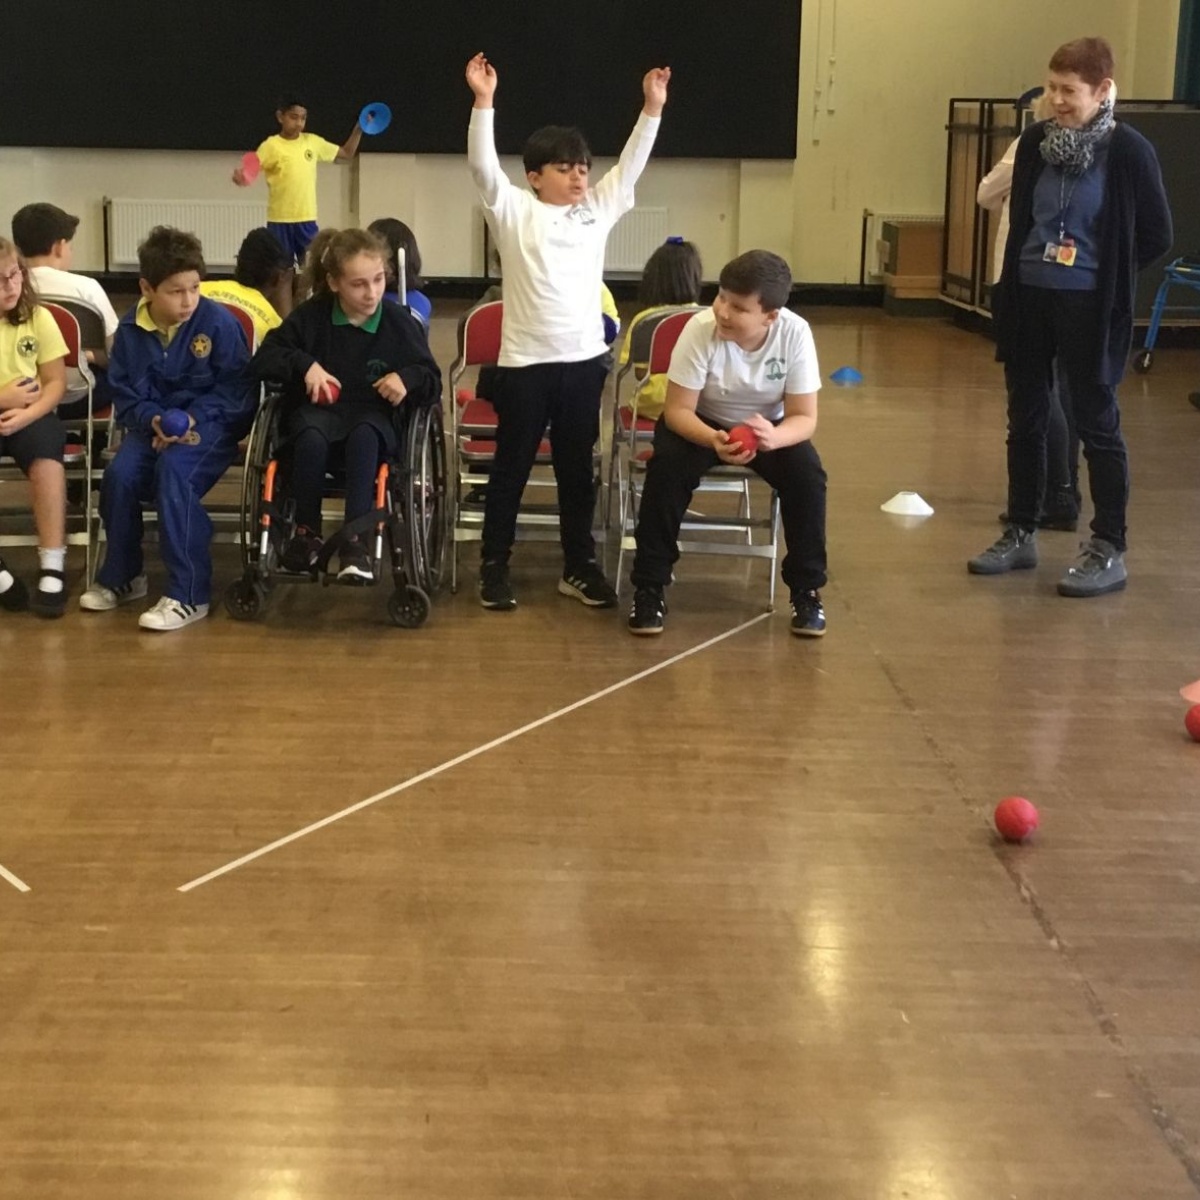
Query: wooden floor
x,y
737,929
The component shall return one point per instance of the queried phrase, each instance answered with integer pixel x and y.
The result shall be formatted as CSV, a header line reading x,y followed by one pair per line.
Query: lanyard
x,y
1064,200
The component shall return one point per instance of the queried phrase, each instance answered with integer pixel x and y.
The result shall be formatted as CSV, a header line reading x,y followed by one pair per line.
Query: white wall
x,y
870,135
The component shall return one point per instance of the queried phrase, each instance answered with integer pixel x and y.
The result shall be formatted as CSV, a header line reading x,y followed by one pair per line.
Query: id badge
x,y
1066,253
1050,254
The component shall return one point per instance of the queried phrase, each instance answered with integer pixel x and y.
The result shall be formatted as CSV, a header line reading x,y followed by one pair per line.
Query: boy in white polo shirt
x,y
553,357
746,361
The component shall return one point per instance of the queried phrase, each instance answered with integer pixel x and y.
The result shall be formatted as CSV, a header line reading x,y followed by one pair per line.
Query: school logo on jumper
x,y
27,347
202,345
776,369
376,369
581,213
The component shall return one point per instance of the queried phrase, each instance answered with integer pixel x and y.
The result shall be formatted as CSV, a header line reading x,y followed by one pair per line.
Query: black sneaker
x,y
588,585
355,565
495,590
300,554
648,613
1014,550
808,614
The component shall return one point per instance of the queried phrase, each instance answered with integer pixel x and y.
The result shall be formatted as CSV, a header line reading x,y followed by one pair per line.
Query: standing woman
x,y
1088,211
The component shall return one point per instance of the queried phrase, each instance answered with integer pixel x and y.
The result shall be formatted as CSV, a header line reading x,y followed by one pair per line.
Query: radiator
x,y
634,238
219,224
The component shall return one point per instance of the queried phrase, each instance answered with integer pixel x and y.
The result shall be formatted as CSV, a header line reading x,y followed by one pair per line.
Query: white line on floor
x,y
17,883
468,755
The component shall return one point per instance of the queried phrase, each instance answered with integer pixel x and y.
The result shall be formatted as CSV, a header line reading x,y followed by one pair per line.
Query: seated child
x,y
377,357
399,237
43,234
747,360
33,378
175,350
671,277
553,357
261,271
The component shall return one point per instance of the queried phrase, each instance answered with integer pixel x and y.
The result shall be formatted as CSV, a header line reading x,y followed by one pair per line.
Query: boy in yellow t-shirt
x,y
289,161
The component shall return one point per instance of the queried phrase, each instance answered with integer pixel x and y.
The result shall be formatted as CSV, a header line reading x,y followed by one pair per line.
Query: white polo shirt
x,y
734,383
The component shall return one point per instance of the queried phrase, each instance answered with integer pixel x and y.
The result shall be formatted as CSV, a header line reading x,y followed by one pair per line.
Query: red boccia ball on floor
x,y
745,437
1192,721
1015,818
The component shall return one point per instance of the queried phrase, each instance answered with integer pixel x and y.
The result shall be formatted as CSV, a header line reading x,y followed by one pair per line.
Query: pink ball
x,y
1015,818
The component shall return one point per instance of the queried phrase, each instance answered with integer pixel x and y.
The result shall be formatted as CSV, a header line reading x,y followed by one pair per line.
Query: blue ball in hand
x,y
175,422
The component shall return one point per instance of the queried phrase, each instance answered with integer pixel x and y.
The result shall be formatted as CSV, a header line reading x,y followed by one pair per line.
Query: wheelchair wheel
x,y
428,517
1142,361
258,453
409,607
245,599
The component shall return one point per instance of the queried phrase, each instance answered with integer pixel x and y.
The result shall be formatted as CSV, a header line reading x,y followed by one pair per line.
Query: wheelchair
x,y
410,523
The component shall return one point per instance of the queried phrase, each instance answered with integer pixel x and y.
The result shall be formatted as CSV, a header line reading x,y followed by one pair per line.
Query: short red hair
x,y
1090,58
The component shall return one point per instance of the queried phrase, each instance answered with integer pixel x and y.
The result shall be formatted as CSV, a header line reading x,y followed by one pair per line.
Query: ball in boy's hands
x,y
175,423
744,438
332,392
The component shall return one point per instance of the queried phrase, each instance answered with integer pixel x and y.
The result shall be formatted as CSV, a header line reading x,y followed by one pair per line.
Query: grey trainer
x,y
1100,568
1014,550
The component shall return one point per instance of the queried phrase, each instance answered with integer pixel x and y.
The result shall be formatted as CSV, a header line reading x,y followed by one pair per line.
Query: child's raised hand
x,y
481,78
654,88
391,388
19,393
317,383
239,177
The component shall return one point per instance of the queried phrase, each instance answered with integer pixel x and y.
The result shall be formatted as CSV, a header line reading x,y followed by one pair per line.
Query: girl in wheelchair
x,y
346,360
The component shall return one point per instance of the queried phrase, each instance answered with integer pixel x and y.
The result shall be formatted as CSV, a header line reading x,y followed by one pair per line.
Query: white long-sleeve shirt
x,y
553,255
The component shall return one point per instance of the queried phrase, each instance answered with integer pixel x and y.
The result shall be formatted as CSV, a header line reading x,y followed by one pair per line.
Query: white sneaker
x,y
168,615
98,598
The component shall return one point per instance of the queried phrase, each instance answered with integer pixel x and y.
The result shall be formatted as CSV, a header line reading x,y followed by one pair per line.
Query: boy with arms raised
x,y
747,360
553,357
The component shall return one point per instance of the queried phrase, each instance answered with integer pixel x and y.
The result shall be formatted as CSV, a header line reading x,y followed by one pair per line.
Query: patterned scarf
x,y
1072,150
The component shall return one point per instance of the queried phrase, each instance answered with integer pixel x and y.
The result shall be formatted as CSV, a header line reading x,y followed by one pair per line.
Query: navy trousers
x,y
174,481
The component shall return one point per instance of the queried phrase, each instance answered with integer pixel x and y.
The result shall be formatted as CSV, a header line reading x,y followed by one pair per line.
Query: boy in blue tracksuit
x,y
175,350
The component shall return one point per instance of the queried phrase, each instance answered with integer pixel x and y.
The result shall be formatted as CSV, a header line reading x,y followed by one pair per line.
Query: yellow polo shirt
x,y
250,300
290,167
24,347
145,321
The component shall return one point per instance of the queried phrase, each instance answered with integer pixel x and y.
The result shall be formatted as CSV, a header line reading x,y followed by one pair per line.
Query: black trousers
x,y
1063,325
673,475
566,398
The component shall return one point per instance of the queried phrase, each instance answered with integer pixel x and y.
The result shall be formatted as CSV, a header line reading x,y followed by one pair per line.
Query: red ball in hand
x,y
332,392
1192,721
1015,818
744,438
